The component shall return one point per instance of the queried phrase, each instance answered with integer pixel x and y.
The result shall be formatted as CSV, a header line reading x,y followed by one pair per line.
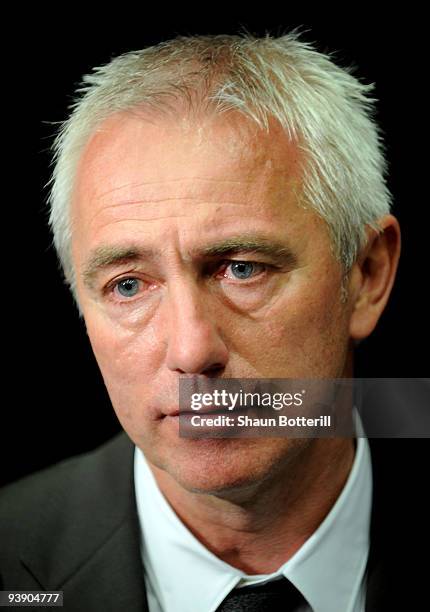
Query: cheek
x,y
305,336
128,360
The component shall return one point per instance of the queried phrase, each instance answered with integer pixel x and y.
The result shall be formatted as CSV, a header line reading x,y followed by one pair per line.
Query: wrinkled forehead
x,y
133,154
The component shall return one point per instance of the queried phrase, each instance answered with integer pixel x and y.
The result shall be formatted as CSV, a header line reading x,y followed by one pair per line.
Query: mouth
x,y
208,410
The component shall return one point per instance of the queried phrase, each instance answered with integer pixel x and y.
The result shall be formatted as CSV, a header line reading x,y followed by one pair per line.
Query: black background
x,y
54,401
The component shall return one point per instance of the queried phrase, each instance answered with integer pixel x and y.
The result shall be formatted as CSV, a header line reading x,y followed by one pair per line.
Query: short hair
x,y
322,106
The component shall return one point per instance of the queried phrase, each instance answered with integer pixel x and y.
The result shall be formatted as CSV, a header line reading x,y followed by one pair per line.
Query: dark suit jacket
x,y
74,527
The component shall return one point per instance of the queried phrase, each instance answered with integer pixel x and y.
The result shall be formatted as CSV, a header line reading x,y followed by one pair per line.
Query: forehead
x,y
132,156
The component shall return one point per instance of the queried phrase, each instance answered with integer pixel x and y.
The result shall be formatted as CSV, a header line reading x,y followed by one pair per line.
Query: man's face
x,y
193,257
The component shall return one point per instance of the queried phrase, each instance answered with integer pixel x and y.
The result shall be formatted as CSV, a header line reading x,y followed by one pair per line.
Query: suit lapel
x,y
92,529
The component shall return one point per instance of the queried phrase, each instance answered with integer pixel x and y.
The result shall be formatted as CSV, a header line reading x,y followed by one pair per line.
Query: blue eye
x,y
128,287
242,269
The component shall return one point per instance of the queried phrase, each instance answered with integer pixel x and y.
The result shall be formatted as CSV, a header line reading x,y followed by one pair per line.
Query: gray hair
x,y
319,104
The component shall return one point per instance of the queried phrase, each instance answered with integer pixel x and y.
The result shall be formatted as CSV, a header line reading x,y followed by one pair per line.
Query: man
x,y
219,209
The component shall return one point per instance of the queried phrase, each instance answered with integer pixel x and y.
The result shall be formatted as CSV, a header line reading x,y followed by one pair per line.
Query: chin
x,y
225,467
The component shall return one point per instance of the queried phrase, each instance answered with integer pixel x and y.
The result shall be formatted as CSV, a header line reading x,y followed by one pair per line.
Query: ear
x,y
372,277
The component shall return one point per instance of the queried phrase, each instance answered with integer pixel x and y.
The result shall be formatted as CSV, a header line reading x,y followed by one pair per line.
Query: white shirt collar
x,y
328,569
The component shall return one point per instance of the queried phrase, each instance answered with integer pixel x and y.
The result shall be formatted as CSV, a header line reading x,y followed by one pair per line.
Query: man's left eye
x,y
242,269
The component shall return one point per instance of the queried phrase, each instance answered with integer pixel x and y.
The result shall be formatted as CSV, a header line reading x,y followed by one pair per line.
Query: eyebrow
x,y
249,244
105,257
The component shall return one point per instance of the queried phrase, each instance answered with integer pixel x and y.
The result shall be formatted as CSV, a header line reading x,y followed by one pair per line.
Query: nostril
x,y
214,371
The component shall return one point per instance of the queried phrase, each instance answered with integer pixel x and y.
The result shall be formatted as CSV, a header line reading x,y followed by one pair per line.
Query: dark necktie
x,y
274,596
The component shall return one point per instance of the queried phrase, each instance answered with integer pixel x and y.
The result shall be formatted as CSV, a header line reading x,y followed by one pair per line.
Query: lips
x,y
207,410
213,410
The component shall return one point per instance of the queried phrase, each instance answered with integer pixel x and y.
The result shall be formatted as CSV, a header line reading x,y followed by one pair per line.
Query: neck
x,y
258,529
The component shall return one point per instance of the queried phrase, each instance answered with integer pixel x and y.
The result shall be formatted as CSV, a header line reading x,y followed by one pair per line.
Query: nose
x,y
194,343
